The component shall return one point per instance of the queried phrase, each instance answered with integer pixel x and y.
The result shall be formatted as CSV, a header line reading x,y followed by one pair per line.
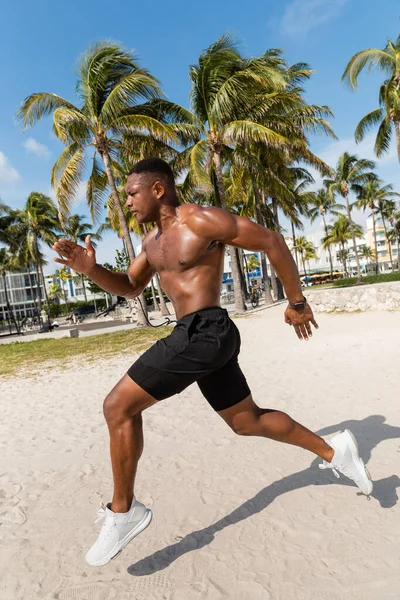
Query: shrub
x,y
60,310
382,278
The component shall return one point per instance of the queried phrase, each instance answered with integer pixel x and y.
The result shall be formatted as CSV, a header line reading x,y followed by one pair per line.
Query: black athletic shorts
x,y
203,347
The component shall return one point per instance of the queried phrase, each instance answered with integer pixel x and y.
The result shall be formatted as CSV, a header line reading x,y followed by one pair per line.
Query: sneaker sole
x,y
357,458
141,526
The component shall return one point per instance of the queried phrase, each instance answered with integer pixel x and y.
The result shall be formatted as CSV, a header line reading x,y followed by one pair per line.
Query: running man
x,y
187,250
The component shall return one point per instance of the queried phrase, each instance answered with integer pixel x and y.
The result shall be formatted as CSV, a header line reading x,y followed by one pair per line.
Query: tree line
x,y
243,145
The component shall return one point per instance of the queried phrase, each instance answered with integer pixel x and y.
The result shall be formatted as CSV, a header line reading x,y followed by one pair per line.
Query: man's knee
x,y
244,423
116,411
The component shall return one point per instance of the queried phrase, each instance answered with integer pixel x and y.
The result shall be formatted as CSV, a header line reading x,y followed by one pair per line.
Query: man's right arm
x,y
128,285
83,260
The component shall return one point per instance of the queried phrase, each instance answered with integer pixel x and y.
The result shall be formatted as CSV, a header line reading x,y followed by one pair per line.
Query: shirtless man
x,y
187,249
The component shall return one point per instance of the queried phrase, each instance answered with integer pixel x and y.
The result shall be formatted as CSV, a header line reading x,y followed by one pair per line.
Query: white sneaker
x,y
347,461
117,531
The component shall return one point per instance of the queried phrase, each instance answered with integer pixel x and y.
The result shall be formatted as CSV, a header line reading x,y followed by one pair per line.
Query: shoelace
x,y
326,465
101,514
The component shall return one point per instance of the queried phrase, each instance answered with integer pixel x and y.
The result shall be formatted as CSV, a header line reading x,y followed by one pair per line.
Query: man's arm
x,y
83,260
218,224
129,284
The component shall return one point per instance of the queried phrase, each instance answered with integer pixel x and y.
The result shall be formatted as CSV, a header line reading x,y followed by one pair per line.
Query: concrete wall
x,y
377,296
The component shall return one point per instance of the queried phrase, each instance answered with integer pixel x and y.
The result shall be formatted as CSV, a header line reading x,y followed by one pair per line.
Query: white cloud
x,y
34,147
7,172
301,16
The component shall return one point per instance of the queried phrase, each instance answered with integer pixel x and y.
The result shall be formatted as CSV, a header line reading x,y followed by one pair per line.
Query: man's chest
x,y
177,251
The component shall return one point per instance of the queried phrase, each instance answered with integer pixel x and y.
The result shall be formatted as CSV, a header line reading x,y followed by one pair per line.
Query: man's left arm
x,y
218,224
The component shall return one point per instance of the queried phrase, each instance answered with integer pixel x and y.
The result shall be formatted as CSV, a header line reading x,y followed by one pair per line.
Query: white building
x,y
22,293
73,291
253,276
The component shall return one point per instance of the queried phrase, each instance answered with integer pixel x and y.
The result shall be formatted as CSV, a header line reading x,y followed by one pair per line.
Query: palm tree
x,y
366,252
306,250
375,196
351,174
38,223
394,234
224,86
76,230
55,292
64,276
388,115
339,234
111,86
7,265
321,204
386,208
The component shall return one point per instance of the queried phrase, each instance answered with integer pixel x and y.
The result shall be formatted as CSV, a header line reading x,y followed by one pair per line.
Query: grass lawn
x,y
57,352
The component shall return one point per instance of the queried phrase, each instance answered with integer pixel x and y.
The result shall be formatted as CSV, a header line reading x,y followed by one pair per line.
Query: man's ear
x,y
159,189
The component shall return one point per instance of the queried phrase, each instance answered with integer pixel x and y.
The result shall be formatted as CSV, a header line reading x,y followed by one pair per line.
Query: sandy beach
x,y
235,518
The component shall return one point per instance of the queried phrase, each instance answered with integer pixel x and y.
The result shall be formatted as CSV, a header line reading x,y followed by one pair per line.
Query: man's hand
x,y
301,321
76,257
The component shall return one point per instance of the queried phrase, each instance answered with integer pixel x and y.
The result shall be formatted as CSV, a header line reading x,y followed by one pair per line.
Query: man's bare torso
x,y
190,266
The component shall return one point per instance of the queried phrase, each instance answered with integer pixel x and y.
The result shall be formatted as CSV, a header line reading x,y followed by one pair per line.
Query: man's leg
x,y
246,418
123,412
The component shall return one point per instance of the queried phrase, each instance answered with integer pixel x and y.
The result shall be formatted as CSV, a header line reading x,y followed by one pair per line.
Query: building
x,y
22,292
252,276
382,245
73,289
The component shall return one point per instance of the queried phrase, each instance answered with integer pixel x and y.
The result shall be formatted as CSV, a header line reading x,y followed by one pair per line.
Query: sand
x,y
235,518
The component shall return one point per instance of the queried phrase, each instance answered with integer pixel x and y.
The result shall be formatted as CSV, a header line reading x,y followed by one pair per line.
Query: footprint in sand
x,y
9,490
12,517
96,591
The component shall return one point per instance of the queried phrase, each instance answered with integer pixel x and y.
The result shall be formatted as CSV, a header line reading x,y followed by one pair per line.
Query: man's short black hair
x,y
154,165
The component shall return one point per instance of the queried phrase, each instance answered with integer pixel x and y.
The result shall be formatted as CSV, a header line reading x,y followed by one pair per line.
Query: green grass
x,y
395,276
41,354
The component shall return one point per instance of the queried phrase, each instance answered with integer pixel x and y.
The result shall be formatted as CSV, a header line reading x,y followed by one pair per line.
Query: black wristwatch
x,y
298,305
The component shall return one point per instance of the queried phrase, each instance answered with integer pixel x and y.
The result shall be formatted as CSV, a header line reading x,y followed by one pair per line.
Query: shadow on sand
x,y
369,433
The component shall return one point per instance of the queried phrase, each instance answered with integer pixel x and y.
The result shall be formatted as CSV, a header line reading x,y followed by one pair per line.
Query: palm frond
x,y
36,106
242,131
371,58
366,123
71,125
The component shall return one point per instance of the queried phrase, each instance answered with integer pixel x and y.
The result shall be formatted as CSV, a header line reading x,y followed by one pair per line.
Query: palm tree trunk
x,y
247,279
274,283
397,130
31,286
279,288
83,285
344,261
294,245
153,293
375,240
304,266
10,312
164,307
239,301
388,243
267,290
398,253
141,309
39,293
240,256
257,198
354,239
329,248
45,295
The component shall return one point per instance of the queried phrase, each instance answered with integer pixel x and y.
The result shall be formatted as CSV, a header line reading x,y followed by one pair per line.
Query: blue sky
x,y
40,43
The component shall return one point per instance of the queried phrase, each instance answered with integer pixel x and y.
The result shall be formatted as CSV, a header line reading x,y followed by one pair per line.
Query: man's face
x,y
143,197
